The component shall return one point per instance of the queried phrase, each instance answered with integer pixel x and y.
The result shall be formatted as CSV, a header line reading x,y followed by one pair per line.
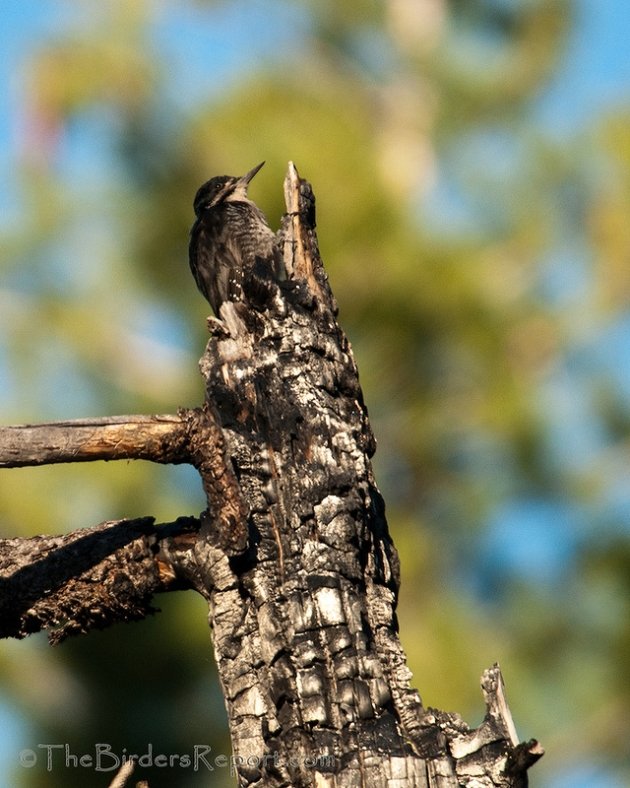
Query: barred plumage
x,y
233,254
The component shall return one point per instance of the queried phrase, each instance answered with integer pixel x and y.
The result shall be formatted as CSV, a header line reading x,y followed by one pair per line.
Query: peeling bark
x,y
293,553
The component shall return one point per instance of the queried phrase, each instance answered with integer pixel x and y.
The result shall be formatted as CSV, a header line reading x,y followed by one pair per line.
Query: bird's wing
x,y
217,269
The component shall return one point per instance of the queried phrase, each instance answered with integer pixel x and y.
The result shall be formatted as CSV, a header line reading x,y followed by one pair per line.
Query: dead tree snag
x,y
293,553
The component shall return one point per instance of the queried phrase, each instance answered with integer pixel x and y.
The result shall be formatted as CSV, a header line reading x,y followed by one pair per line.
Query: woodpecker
x,y
232,252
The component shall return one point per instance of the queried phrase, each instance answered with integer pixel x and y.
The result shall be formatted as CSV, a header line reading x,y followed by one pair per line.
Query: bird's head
x,y
223,188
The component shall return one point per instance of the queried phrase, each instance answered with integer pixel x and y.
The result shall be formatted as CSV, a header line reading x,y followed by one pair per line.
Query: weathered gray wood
x,y
157,438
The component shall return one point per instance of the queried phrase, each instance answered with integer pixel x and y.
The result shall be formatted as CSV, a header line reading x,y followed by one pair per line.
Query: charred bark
x,y
91,578
293,553
303,610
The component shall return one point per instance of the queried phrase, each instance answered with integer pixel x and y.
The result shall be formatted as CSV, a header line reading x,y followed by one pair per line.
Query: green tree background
x,y
479,254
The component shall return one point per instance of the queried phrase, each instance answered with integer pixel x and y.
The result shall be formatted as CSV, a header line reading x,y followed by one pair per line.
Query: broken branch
x,y
91,578
162,439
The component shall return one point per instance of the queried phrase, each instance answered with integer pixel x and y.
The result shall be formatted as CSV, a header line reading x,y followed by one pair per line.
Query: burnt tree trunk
x,y
293,553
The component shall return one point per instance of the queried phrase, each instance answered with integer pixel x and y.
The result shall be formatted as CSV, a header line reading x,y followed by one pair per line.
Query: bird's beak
x,y
244,181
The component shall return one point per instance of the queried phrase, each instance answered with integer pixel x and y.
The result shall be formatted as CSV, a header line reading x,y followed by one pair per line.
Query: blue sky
x,y
595,74
596,71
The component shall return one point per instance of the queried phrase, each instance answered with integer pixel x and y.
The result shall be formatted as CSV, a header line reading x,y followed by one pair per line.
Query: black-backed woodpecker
x,y
233,253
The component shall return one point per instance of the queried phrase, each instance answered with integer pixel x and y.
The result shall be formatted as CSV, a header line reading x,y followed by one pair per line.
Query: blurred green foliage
x,y
446,216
